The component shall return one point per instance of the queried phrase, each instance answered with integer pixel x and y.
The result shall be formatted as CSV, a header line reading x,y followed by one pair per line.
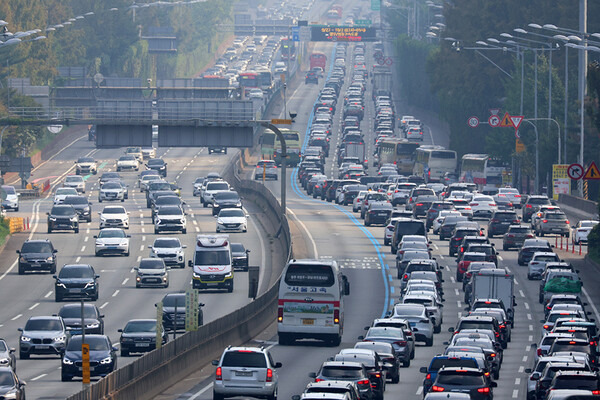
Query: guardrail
x,y
584,205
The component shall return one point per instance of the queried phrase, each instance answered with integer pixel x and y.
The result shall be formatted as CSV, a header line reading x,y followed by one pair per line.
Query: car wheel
x,y
396,378
65,377
230,288
386,242
21,270
504,247
99,200
336,341
156,231
184,231
406,363
17,209
496,375
57,298
123,200
95,297
529,277
76,230
367,223
437,329
217,396
53,269
429,342
204,204
49,229
124,353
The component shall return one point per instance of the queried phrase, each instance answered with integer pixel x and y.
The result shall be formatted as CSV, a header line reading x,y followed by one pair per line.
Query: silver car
x,y
112,241
76,182
152,272
170,250
537,265
416,315
245,371
433,308
7,356
111,191
43,335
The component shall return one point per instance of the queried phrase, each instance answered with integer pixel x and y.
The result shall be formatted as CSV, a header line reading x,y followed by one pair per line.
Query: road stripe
x,y
34,306
82,249
515,394
38,377
78,259
48,294
124,281
103,305
115,293
16,317
526,305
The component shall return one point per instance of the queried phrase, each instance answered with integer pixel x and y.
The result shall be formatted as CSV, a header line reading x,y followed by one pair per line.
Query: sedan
x,y
239,255
103,356
471,381
76,182
232,219
223,200
139,336
394,336
92,319
114,216
62,193
127,162
11,387
7,356
112,241
157,164
266,168
483,206
111,191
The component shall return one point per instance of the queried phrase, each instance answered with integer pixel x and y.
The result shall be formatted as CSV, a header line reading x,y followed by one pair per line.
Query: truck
x,y
355,149
559,281
494,283
382,82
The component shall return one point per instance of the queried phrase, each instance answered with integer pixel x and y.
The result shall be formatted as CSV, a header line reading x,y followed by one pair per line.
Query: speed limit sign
x,y
473,122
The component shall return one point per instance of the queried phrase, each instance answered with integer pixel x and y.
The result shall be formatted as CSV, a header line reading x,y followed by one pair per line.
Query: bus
x,y
318,60
249,80
271,147
482,170
398,151
311,302
432,162
265,80
288,49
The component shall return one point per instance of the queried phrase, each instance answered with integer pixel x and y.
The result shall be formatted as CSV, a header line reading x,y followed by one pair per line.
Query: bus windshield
x,y
309,275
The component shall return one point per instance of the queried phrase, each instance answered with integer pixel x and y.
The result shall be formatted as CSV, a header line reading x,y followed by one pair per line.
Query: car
x,y
102,355
240,256
553,368
114,217
139,336
136,152
148,152
214,149
152,272
165,198
75,182
170,250
512,194
259,378
37,255
157,164
256,94
533,204
471,381
328,388
441,361
82,207
530,246
581,230
449,225
552,222
435,210
111,190
212,188
63,192
109,176
63,217
500,221
515,236
433,308
93,320
174,311
42,335
128,162
232,220
483,206
76,281
416,315
156,189
7,356
112,241
311,77
146,179
537,264
387,355
170,218
266,168
377,213
348,371
395,336
223,200
86,166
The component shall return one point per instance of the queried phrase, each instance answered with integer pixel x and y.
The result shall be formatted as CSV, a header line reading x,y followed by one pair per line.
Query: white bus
x,y
482,170
432,162
311,302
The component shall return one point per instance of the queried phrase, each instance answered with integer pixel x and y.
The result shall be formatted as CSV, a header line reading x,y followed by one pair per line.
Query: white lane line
x,y
452,279
515,394
142,222
38,377
142,247
500,258
197,229
34,306
82,249
195,222
528,348
531,327
115,293
143,238
458,303
525,357
16,317
139,258
517,381
103,305
521,293
143,230
48,294
87,230
78,259
456,292
521,369
435,246
447,268
516,282
530,338
124,281
86,239
310,237
528,316
441,257
591,303
526,305
419,390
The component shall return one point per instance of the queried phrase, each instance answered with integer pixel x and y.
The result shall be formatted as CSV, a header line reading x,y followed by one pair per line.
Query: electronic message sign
x,y
333,33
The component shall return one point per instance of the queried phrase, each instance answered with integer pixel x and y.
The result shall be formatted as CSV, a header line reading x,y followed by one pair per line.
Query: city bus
x,y
398,151
482,170
271,147
288,49
265,80
249,80
311,302
432,162
318,60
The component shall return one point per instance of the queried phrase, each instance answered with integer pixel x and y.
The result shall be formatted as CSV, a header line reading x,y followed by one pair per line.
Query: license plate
x,y
91,369
142,344
382,214
42,347
413,324
112,247
307,321
74,290
243,373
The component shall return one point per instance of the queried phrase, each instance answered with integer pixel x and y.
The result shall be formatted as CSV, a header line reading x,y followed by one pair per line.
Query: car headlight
x,y
90,284
11,394
238,204
66,361
22,259
195,275
124,243
62,285
219,221
102,218
229,274
126,340
93,325
61,338
4,361
52,219
74,219
106,360
99,243
25,339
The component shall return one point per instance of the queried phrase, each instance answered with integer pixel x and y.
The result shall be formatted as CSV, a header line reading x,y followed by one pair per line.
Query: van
x,y
211,263
311,302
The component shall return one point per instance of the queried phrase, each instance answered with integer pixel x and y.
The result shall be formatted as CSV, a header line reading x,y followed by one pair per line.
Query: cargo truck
x,y
495,284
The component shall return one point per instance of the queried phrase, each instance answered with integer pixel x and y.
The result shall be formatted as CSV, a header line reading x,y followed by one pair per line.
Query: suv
x,y
170,218
530,247
245,371
346,371
552,222
170,250
406,226
500,222
42,335
212,188
532,205
82,207
174,311
434,211
139,335
63,217
76,280
36,255
515,236
311,77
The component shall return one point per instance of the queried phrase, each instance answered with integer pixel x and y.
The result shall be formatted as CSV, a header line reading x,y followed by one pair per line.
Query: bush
x,y
4,230
594,244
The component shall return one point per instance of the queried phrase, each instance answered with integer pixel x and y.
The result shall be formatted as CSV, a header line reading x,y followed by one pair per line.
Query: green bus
x,y
271,147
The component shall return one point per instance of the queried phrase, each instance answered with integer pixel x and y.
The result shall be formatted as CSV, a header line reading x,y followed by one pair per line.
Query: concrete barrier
x,y
584,205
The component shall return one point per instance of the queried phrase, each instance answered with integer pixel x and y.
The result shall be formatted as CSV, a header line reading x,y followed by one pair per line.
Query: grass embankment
x,y
4,231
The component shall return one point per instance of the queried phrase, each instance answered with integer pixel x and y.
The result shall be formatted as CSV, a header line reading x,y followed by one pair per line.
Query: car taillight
x,y
567,222
400,342
546,327
510,235
529,236
595,392
483,390
528,206
269,375
363,382
419,204
502,326
435,388
516,221
474,204
405,277
494,220
428,376
280,314
319,380
545,221
492,204
336,316
549,308
219,374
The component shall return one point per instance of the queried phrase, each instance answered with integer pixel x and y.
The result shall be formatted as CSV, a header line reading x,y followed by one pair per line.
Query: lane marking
x,y
16,317
49,294
34,306
115,293
124,281
526,305
78,259
310,237
521,293
82,249
103,305
515,394
38,377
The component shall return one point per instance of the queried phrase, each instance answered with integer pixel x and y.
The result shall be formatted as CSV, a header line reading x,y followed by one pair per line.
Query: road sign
x,y
494,120
506,121
378,54
343,33
54,128
473,122
279,121
519,146
295,34
575,171
363,22
191,310
389,61
516,120
494,111
592,172
375,5
85,363
305,34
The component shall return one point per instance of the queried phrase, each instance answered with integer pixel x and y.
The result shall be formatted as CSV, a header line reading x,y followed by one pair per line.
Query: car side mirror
x,y
247,250
361,337
97,276
278,365
18,251
190,263
312,375
20,329
54,276
423,370
215,362
493,384
536,375
451,329
55,251
95,236
47,213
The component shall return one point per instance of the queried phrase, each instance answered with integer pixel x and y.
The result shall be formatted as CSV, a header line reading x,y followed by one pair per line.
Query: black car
x,y
82,207
215,149
10,385
449,225
532,205
526,253
167,199
239,255
422,204
346,371
92,319
221,200
109,176
37,255
103,357
378,213
501,221
139,336
63,217
457,238
154,189
311,77
157,164
472,381
174,311
76,280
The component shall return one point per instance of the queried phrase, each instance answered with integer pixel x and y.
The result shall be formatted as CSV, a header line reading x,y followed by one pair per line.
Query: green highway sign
x,y
363,22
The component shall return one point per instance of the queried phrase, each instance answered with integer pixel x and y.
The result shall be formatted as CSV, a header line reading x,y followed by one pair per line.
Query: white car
x,y
280,67
170,250
86,165
136,152
483,206
114,217
12,198
440,219
401,193
111,191
511,193
256,94
76,182
148,152
232,219
112,241
212,188
170,218
580,232
128,162
62,193
357,202
146,179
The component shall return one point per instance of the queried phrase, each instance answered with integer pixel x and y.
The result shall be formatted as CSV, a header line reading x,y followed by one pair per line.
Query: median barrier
x,y
587,206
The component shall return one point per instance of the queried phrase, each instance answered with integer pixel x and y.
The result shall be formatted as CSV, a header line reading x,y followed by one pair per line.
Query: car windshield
x,y
7,379
217,186
74,311
384,332
461,379
521,229
171,300
76,272
127,158
167,243
111,185
342,372
237,247
140,326
73,179
155,161
114,210
231,212
555,216
378,347
62,211
96,343
110,175
588,224
438,363
3,347
160,186
546,258
164,200
150,177
577,382
65,191
216,257
169,210
85,160
227,196
43,325
36,247
111,233
75,200
152,263
538,201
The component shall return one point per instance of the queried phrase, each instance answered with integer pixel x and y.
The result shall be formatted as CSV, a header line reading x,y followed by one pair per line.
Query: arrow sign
x,y
494,120
516,120
575,171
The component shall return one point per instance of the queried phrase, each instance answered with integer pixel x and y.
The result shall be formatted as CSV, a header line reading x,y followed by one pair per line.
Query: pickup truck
x,y
560,281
